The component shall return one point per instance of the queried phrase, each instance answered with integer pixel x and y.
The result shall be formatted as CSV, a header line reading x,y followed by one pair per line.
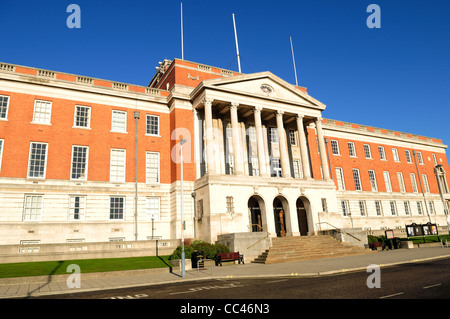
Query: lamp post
x,y
437,168
183,259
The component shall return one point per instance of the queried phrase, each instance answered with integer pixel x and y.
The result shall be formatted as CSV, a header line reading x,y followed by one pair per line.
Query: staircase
x,y
286,249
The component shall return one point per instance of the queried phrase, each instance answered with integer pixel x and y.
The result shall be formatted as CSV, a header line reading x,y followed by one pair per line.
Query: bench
x,y
228,257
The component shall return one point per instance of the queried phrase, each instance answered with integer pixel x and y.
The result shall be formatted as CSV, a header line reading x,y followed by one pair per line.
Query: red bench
x,y
228,257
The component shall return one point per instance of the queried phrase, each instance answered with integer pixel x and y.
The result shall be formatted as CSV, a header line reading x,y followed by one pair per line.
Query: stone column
x,y
209,140
322,149
237,148
284,158
260,142
303,147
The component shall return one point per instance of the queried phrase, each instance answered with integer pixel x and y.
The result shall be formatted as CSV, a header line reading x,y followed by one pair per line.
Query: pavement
x,y
50,285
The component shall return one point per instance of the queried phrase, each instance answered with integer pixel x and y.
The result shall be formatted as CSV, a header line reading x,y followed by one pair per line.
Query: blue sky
x,y
395,77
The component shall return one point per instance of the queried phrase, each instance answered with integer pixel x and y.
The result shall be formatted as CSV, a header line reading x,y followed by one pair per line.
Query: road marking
x,y
436,285
195,289
393,295
269,282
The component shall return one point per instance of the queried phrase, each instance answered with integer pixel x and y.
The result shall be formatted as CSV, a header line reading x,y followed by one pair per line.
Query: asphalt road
x,y
420,280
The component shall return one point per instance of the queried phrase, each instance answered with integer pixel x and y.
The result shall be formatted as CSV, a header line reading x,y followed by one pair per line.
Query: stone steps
x,y
286,249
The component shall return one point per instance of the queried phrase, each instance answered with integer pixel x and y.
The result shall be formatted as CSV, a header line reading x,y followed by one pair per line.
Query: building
x,y
259,156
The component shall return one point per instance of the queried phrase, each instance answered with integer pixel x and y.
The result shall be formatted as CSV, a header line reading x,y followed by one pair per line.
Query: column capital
x,y
280,112
299,116
234,105
207,100
319,119
257,109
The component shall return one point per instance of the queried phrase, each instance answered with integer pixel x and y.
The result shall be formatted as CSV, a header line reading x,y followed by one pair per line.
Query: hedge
x,y
209,250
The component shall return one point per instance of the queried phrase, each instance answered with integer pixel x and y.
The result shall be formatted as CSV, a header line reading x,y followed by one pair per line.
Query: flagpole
x,y
237,46
293,60
182,45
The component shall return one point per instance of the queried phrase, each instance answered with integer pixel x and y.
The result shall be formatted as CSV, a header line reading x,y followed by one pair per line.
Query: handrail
x,y
250,226
340,230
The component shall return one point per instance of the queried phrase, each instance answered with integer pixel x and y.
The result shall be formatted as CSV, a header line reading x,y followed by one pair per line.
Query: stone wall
x,y
74,251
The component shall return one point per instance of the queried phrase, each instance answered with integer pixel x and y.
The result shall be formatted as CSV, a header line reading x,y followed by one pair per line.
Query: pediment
x,y
264,85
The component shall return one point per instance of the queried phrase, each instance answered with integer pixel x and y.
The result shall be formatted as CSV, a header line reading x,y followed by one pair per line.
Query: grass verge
x,y
46,268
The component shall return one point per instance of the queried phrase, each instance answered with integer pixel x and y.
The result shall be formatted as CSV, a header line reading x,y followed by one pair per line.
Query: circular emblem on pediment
x,y
266,88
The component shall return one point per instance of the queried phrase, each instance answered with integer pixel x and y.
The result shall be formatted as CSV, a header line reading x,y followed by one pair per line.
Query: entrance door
x,y
280,220
302,218
255,213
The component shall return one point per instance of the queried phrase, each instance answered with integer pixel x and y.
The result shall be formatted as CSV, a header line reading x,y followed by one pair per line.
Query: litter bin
x,y
195,257
396,242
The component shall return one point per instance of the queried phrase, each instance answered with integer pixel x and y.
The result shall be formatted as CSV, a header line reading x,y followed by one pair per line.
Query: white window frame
x,y
45,161
401,182
345,207
255,165
362,207
118,213
42,117
88,119
2,100
153,208
114,123
387,181
276,169
395,155
231,163
81,208
150,170
115,178
298,174
419,158
378,208
229,130
273,135
367,151
357,179
292,138
408,156
149,126
33,216
335,147
340,178
434,159
426,186
407,208
419,208
83,177
414,182
373,180
432,208
393,207
251,132
351,149
382,153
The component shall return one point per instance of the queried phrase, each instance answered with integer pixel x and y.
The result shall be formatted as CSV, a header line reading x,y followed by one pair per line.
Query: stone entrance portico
x,y
251,137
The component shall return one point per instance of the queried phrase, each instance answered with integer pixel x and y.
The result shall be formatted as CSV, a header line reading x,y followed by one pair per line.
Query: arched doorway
x,y
255,215
279,211
302,215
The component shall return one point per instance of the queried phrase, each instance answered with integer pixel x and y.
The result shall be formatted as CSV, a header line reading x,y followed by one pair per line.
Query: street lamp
x,y
183,259
437,168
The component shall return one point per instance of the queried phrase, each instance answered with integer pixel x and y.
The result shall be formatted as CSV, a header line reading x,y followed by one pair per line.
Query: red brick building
x,y
259,156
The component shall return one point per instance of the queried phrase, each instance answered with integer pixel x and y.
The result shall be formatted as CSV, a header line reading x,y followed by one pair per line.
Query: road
x,y
419,280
